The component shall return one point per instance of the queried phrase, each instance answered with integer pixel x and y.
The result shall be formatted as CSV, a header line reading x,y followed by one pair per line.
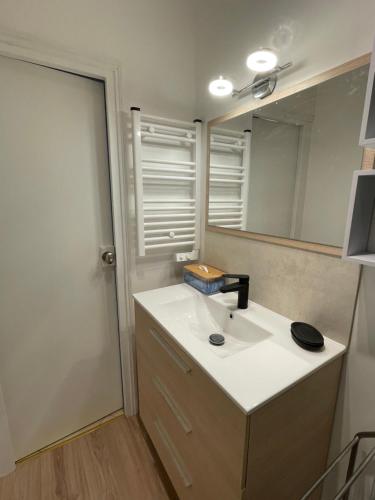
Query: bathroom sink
x,y
204,316
258,360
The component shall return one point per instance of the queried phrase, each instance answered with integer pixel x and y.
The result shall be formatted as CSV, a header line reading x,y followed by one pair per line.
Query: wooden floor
x,y
111,463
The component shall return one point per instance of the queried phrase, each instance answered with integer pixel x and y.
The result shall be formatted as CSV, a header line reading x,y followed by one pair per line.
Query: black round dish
x,y
306,336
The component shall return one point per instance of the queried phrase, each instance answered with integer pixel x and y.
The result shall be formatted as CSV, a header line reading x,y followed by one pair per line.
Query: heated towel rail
x,y
167,175
229,178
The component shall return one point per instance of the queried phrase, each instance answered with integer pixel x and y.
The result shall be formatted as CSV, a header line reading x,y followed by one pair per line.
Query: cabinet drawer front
x,y
207,482
173,453
159,348
162,430
173,405
218,427
169,351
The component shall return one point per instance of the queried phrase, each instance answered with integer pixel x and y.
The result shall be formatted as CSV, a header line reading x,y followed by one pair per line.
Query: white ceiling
x,y
315,34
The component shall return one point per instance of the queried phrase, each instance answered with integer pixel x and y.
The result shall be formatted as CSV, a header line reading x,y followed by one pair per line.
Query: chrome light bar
x,y
263,85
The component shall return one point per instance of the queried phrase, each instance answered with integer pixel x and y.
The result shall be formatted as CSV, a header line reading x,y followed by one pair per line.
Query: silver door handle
x,y
109,258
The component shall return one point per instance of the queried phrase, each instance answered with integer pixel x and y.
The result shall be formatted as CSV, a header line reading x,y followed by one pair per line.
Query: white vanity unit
x,y
247,420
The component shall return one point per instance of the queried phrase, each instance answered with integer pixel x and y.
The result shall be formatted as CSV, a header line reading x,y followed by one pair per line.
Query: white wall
x,y
156,43
157,74
315,35
152,41
334,154
356,404
273,164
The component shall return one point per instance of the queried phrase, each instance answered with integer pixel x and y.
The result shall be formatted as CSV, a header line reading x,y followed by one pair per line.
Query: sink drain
x,y
216,339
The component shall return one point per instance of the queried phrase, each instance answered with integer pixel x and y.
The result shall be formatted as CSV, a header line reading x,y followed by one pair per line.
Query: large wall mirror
x,y
281,171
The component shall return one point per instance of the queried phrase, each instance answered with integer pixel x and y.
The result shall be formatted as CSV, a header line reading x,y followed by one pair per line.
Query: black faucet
x,y
242,287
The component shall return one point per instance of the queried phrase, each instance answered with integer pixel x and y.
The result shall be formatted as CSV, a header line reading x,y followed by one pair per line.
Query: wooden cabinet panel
x,y
206,427
163,437
289,438
209,447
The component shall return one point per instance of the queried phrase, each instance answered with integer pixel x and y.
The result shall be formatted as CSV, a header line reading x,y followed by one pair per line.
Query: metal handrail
x,y
352,474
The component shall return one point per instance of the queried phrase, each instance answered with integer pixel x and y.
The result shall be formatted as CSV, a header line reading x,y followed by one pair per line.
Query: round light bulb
x,y
220,87
262,60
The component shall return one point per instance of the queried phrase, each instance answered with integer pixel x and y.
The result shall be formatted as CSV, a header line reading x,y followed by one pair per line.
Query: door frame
x,y
30,50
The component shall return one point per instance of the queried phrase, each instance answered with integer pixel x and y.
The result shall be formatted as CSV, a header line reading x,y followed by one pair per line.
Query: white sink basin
x,y
204,316
259,359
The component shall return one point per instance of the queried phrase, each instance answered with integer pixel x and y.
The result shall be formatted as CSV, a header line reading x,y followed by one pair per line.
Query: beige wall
x,y
303,286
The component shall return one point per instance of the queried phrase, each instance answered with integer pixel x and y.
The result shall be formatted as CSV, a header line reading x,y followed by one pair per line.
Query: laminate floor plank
x,y
28,484
111,463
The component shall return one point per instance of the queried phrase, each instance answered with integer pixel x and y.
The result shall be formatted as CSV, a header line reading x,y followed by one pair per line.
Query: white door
x,y
59,345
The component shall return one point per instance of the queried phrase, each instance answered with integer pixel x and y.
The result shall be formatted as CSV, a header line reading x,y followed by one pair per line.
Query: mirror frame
x,y
368,157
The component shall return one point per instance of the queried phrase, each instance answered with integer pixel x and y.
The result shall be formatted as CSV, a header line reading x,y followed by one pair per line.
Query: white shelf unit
x,y
167,175
367,135
359,242
229,178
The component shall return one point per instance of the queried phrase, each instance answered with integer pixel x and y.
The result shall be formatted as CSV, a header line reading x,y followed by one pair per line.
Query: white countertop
x,y
251,376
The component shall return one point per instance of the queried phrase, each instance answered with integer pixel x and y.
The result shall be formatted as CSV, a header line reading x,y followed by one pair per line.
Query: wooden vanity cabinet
x,y
209,447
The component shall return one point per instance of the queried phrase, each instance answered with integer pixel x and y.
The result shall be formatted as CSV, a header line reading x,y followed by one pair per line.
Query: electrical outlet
x,y
187,256
181,257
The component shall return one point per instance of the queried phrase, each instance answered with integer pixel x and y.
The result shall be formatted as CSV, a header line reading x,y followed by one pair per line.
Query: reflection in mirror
x,y
285,169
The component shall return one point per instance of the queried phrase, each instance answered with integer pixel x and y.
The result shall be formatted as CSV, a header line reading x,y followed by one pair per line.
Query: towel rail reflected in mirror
x,y
280,171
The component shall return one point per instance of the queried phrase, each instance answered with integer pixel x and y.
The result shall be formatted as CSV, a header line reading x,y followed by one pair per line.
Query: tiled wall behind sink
x,y
303,286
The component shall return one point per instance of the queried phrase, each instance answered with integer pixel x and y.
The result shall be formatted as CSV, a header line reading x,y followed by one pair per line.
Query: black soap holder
x,y
306,336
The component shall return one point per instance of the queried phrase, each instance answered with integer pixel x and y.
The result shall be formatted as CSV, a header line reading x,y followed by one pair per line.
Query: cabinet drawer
x,y
208,429
161,414
159,347
166,431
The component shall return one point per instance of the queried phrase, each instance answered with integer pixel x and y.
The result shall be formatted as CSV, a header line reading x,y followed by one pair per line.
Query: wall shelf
x,y
359,242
